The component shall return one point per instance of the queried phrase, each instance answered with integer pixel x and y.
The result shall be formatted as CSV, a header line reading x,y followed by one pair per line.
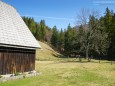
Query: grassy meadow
x,y
67,72
63,73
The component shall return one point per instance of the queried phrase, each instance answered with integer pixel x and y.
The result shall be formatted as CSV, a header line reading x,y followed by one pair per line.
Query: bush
x,y
30,72
17,73
0,76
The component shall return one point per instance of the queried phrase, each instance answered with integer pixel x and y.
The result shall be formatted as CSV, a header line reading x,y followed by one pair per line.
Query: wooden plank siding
x,y
14,60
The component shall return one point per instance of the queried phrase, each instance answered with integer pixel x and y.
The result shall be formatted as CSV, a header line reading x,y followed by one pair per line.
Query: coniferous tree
x,y
67,41
110,30
70,40
61,40
42,29
54,38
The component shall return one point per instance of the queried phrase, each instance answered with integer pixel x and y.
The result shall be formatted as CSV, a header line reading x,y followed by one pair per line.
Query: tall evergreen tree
x,y
70,40
110,30
42,29
54,38
108,19
61,40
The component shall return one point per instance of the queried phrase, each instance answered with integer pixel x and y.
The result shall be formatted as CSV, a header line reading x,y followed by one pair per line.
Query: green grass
x,y
46,53
67,72
63,73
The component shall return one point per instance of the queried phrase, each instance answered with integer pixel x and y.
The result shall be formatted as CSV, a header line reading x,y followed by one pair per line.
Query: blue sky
x,y
58,12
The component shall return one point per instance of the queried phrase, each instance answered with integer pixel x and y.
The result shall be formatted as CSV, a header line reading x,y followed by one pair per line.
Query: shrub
x,y
30,72
0,76
17,73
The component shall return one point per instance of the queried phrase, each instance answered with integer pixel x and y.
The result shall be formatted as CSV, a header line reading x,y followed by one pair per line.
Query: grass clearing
x,y
61,73
67,71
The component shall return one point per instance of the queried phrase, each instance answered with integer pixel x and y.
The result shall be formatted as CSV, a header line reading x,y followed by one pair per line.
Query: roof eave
x,y
18,46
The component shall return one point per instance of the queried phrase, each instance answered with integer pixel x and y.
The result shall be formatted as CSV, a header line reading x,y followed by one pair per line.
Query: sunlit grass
x,y
46,53
56,71
59,73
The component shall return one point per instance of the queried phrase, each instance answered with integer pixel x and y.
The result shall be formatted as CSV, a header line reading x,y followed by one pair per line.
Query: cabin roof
x,y
13,30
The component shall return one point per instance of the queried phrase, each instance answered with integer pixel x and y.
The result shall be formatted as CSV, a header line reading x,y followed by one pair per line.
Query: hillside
x,y
46,53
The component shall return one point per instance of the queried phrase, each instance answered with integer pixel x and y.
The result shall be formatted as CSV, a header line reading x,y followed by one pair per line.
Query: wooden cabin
x,y
17,44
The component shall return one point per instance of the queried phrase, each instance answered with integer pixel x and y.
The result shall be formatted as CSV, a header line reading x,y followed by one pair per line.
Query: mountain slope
x,y
46,53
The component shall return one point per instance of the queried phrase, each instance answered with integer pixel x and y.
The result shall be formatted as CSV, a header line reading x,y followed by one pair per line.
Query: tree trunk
x,y
87,52
68,58
99,59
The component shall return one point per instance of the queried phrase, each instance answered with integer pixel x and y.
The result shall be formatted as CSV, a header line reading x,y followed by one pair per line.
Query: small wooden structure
x,y
14,60
17,44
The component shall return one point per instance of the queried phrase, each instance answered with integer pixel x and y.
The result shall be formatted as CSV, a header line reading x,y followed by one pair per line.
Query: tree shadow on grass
x,y
58,55
109,62
76,60
64,59
79,61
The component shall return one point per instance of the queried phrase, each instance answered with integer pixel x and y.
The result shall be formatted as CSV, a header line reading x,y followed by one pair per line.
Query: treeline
x,y
40,30
93,38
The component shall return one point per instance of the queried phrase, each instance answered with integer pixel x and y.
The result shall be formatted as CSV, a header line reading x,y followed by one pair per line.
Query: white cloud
x,y
104,2
47,17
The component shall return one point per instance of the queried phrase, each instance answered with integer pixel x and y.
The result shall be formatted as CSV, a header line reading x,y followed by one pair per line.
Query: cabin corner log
x,y
14,60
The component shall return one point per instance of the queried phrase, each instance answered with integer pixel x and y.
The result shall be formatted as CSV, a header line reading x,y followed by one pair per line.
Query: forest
x,y
93,37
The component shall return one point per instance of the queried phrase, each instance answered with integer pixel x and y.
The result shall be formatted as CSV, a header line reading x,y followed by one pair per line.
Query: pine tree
x,y
54,38
109,28
42,30
70,40
61,40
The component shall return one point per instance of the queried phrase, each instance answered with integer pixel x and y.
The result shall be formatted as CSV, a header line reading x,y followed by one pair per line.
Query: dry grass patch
x,y
46,53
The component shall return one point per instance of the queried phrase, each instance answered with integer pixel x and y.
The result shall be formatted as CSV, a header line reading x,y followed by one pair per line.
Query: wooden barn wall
x,y
16,60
